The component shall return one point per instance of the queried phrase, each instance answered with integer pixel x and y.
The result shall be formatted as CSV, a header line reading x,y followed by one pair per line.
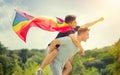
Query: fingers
x,y
101,19
82,52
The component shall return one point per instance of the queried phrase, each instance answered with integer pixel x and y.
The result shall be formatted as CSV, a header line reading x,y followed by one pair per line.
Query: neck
x,y
79,39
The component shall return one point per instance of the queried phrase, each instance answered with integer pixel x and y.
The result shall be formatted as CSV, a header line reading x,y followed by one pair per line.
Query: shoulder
x,y
63,34
65,40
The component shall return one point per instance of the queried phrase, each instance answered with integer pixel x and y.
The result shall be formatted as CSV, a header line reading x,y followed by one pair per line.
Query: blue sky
x,y
102,34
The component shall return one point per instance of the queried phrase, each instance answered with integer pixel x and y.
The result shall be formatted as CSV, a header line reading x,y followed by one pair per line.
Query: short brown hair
x,y
70,18
81,30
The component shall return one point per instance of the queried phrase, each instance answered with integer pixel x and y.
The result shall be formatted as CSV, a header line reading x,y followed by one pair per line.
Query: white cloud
x,y
102,34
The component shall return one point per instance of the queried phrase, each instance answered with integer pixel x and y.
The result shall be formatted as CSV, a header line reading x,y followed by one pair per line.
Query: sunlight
x,y
114,2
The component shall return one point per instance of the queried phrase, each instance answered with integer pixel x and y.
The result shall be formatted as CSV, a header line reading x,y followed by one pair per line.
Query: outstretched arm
x,y
77,43
87,25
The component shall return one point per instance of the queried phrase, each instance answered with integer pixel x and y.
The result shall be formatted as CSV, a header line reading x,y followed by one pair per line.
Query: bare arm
x,y
53,44
87,25
77,43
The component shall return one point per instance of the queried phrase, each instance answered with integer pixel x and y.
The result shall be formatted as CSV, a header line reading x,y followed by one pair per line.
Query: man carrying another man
x,y
66,50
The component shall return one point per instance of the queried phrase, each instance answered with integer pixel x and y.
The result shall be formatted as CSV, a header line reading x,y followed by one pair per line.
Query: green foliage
x,y
109,70
23,55
103,61
3,50
1,69
78,66
7,65
30,68
46,71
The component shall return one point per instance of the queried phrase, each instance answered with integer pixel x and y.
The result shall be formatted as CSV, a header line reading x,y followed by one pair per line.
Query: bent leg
x,y
67,68
49,58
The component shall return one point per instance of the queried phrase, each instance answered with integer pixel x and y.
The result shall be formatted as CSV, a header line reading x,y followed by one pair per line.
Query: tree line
x,y
102,61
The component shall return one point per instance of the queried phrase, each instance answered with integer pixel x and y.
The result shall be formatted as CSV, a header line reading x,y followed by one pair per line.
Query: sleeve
x,y
64,34
64,40
70,32
76,28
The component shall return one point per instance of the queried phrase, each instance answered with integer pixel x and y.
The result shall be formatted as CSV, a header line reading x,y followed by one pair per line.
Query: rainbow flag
x,y
23,22
21,19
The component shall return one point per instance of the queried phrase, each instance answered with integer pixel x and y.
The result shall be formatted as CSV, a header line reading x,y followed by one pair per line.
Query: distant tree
x,y
3,50
78,67
117,60
23,55
108,59
1,69
109,70
7,65
97,64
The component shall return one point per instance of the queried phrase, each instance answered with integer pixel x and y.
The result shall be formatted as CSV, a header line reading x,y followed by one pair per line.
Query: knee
x,y
68,67
54,53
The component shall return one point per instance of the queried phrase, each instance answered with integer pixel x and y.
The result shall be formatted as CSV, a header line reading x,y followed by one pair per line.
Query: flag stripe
x,y
23,22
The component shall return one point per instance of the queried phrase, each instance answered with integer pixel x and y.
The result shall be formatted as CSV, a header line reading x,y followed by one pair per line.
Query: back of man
x,y
66,50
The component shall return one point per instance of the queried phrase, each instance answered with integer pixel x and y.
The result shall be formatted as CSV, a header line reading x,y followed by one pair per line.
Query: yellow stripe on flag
x,y
18,27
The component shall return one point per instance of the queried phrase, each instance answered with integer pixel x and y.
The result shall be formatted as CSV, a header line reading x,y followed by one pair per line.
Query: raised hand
x,y
101,19
82,52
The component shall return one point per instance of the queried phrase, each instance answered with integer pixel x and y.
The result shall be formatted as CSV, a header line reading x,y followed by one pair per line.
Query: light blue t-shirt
x,y
66,50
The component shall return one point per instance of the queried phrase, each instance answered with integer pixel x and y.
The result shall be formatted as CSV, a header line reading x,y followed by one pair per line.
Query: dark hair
x,y
70,18
81,30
